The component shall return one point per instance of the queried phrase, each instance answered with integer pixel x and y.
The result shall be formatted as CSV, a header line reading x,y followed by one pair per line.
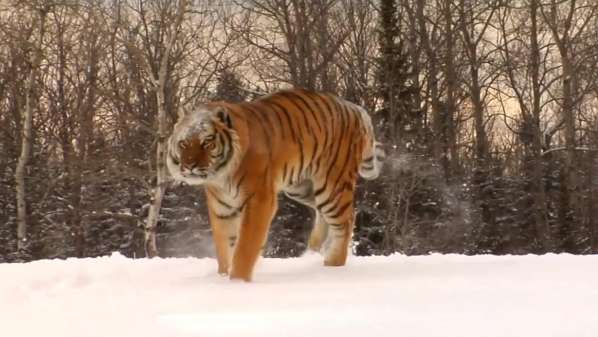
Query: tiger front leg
x,y
253,232
224,232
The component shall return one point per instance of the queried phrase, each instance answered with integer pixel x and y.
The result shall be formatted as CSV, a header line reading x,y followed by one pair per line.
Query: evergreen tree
x,y
399,115
229,87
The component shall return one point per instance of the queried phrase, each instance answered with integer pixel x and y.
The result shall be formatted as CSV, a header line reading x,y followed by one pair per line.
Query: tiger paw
x,y
239,277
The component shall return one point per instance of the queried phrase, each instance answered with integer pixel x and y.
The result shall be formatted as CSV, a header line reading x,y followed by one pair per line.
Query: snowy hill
x,y
438,295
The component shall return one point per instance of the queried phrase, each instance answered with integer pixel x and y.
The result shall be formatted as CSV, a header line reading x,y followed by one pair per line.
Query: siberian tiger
x,y
309,145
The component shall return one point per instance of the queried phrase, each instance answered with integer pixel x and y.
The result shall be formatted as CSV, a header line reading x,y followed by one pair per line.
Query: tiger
x,y
309,145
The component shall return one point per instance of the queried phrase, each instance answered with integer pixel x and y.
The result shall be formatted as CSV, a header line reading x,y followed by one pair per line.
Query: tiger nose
x,y
200,171
189,167
192,168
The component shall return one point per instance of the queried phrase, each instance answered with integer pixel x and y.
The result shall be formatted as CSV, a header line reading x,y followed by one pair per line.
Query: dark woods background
x,y
487,110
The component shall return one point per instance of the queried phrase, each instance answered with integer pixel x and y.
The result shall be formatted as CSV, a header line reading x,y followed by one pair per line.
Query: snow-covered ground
x,y
438,295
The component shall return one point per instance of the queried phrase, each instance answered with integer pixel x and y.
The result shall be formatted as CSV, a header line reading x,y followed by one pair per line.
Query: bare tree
x,y
39,11
432,21
158,71
415,50
310,39
474,21
87,87
568,22
525,46
451,76
356,64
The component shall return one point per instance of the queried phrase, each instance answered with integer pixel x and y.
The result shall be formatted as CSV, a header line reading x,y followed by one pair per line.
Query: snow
x,y
426,296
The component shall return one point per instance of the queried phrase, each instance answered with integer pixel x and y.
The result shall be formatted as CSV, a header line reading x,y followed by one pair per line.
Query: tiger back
x,y
311,146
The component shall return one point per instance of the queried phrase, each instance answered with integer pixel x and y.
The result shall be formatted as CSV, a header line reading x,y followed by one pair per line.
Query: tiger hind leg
x,y
339,217
340,237
319,233
303,193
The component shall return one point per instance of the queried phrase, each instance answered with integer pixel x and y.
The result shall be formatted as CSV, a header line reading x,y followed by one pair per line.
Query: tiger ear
x,y
224,117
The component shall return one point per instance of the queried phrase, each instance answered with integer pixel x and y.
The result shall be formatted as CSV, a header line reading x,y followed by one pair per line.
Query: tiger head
x,y
202,146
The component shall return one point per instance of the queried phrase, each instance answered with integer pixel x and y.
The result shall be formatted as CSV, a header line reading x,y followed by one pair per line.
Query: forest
x,y
488,111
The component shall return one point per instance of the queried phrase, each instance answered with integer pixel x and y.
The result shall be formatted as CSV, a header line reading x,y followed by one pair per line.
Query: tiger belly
x,y
302,192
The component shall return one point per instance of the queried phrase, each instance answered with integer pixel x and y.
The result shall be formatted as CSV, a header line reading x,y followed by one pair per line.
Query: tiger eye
x,y
208,145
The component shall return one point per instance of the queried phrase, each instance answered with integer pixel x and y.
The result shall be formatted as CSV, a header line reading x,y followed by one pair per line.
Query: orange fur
x,y
312,146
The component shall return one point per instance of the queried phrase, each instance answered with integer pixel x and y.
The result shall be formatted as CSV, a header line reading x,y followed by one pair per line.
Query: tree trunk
x,y
569,188
451,87
415,52
159,81
85,114
158,191
21,169
432,86
481,178
26,138
592,209
538,172
570,169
